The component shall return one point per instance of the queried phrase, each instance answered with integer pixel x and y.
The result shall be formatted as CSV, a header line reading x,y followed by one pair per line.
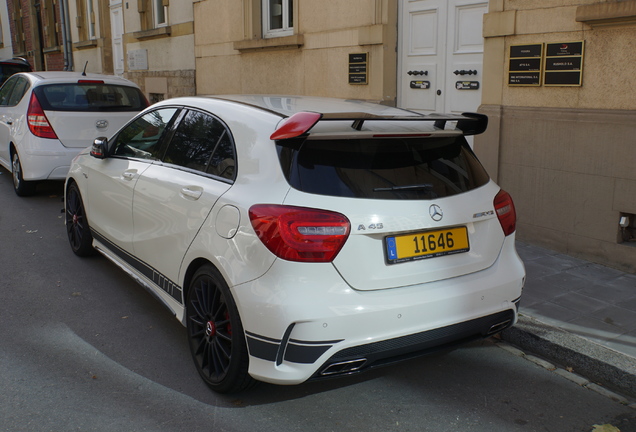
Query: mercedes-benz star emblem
x,y
436,212
101,124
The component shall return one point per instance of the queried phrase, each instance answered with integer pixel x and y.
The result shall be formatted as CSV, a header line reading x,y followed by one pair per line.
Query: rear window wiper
x,y
405,187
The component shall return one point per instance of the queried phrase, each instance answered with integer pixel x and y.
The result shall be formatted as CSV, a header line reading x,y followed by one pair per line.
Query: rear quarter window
x,y
90,97
6,70
398,169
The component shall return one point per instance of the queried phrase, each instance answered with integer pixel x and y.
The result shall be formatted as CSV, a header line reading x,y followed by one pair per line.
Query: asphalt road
x,y
84,348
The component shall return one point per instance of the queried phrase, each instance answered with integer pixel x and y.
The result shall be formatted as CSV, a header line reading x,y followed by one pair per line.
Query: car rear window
x,y
390,168
90,97
6,70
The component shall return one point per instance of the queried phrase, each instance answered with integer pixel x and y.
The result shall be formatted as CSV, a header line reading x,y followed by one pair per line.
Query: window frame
x,y
161,143
13,83
204,172
51,38
156,6
91,28
287,19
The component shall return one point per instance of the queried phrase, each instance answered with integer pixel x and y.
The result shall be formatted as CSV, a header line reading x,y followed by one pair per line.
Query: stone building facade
x,y
566,152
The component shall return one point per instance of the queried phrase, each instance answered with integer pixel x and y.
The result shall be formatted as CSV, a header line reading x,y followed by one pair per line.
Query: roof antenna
x,y
84,71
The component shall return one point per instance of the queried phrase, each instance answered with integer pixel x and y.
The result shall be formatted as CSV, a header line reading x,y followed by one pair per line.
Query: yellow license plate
x,y
426,244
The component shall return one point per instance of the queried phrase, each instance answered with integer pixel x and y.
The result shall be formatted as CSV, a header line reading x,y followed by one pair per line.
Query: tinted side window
x,y
7,70
413,168
142,137
21,86
5,91
223,162
201,142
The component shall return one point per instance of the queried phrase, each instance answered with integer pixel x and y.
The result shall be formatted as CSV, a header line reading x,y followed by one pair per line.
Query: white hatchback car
x,y
300,238
46,118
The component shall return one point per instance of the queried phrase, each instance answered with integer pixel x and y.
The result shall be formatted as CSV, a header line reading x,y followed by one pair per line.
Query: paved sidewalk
x,y
580,315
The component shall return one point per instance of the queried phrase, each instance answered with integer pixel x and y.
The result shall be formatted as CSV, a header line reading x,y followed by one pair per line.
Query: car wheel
x,y
79,234
215,333
21,187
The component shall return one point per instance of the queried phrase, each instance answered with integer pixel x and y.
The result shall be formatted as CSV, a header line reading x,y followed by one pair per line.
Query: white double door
x,y
440,60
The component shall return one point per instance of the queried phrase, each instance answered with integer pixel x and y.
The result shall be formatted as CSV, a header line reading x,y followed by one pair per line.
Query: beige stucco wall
x,y
566,154
314,61
170,51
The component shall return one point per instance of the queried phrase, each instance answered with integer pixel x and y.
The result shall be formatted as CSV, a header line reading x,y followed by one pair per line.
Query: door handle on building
x,y
465,72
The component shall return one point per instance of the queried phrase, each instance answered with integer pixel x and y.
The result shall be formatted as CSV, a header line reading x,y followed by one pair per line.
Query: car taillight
x,y
38,123
506,213
298,233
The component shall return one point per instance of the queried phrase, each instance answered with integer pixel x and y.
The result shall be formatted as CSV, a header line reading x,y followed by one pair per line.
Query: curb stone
x,y
598,364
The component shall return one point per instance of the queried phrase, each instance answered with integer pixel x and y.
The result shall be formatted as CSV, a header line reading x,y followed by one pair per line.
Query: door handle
x,y
192,192
465,72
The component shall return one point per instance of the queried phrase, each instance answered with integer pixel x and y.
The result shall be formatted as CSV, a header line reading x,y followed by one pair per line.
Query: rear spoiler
x,y
301,123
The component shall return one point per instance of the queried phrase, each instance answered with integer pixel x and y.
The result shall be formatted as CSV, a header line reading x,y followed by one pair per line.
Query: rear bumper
x,y
363,357
45,159
306,326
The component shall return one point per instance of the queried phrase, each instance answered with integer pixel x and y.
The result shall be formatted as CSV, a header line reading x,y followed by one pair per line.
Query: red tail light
x,y
506,213
38,123
300,234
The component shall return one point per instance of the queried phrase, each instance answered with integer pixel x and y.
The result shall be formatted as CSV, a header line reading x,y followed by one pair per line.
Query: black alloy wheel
x,y
79,233
215,333
20,186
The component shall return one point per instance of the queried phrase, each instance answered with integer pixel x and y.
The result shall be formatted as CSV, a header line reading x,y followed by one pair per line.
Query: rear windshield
x,y
400,169
6,70
90,97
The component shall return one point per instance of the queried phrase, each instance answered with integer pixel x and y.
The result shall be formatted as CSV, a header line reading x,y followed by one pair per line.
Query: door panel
x,y
466,47
109,198
440,37
422,52
170,207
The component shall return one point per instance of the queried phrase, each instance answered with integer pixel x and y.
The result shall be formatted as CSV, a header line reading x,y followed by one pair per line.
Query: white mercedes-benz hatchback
x,y
46,119
300,238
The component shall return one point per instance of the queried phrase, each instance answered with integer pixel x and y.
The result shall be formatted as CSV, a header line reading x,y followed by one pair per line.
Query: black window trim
x,y
167,136
167,132
16,78
174,127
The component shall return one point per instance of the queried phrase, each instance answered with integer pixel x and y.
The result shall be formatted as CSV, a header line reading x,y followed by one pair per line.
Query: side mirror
x,y
100,148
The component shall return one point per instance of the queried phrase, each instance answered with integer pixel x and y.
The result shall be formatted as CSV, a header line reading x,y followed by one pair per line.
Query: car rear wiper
x,y
405,187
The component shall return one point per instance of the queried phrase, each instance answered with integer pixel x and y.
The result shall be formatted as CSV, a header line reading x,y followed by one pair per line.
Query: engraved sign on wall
x,y
358,63
138,59
525,66
564,64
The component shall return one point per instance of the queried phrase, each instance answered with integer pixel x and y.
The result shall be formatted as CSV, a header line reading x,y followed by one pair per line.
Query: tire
x,y
20,186
77,229
215,333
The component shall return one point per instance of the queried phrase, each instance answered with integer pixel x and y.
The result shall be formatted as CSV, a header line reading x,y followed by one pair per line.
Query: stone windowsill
x,y
606,14
91,43
153,33
286,42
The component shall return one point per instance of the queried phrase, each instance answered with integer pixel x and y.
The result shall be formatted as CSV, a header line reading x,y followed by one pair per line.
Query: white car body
x,y
42,158
302,320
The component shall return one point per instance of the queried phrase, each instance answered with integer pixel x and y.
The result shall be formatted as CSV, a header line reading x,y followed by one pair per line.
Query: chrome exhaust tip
x,y
496,328
343,367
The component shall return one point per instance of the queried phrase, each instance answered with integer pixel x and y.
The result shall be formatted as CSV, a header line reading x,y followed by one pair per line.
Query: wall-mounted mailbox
x,y
424,85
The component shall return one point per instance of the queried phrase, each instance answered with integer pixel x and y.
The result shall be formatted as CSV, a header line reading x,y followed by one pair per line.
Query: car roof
x,y
68,76
16,61
342,114
287,105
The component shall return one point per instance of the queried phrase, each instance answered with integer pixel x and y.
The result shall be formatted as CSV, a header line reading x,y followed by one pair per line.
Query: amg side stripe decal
x,y
296,351
157,278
